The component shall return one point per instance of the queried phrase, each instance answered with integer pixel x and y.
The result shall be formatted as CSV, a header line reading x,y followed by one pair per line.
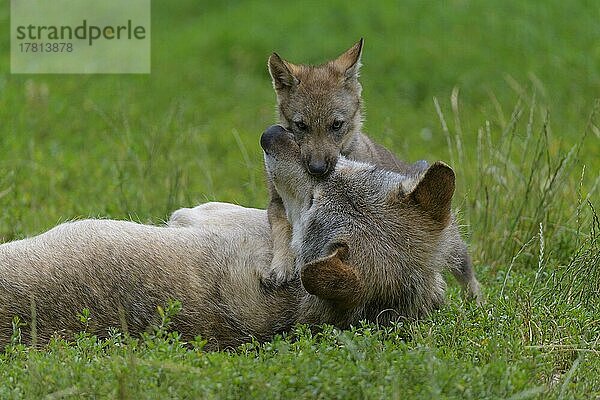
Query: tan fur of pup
x,y
323,109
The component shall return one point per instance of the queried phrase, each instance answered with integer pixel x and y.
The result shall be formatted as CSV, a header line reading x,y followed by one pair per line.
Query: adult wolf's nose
x,y
268,137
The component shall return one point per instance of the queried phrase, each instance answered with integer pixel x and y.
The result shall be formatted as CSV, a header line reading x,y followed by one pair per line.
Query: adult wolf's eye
x,y
337,125
301,125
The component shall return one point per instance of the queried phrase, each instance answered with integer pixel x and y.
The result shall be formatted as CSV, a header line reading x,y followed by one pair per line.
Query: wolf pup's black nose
x,y
318,167
268,136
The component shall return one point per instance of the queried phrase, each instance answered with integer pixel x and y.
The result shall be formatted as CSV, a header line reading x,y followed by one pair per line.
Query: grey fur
x,y
398,243
317,96
378,256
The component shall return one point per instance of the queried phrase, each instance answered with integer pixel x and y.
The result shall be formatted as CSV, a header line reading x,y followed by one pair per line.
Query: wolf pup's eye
x,y
337,125
301,125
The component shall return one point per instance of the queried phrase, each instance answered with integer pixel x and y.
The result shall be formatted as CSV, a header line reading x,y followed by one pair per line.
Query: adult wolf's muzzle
x,y
273,136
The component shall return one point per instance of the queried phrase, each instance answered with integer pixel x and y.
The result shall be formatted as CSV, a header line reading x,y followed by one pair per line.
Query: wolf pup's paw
x,y
280,272
473,292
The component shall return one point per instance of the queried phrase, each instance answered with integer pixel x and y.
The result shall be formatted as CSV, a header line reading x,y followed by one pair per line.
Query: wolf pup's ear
x,y
282,72
349,62
332,279
434,192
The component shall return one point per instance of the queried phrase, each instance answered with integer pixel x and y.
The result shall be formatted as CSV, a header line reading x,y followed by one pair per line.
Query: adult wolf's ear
x,y
332,279
434,192
282,72
349,62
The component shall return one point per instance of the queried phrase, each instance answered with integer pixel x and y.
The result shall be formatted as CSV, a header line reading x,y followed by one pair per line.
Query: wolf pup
x,y
322,107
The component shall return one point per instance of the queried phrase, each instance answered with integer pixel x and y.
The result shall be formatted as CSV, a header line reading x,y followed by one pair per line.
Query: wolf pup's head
x,y
367,241
321,105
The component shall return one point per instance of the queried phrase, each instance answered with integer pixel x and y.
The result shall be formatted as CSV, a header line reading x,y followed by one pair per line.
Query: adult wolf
x,y
363,218
370,244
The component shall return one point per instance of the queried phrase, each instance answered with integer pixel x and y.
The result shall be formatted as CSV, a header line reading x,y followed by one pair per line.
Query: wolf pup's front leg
x,y
282,268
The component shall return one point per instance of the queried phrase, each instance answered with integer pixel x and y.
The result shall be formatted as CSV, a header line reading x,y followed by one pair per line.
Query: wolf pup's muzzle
x,y
318,167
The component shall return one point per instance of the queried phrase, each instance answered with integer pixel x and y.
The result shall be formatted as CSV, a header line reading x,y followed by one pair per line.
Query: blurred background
x,y
140,146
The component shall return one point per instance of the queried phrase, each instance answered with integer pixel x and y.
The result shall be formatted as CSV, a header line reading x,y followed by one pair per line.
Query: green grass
x,y
515,85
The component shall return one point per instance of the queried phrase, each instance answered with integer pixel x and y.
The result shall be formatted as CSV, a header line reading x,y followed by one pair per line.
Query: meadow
x,y
505,92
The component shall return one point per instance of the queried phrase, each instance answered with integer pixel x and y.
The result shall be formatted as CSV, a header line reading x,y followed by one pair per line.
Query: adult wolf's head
x,y
371,243
320,105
